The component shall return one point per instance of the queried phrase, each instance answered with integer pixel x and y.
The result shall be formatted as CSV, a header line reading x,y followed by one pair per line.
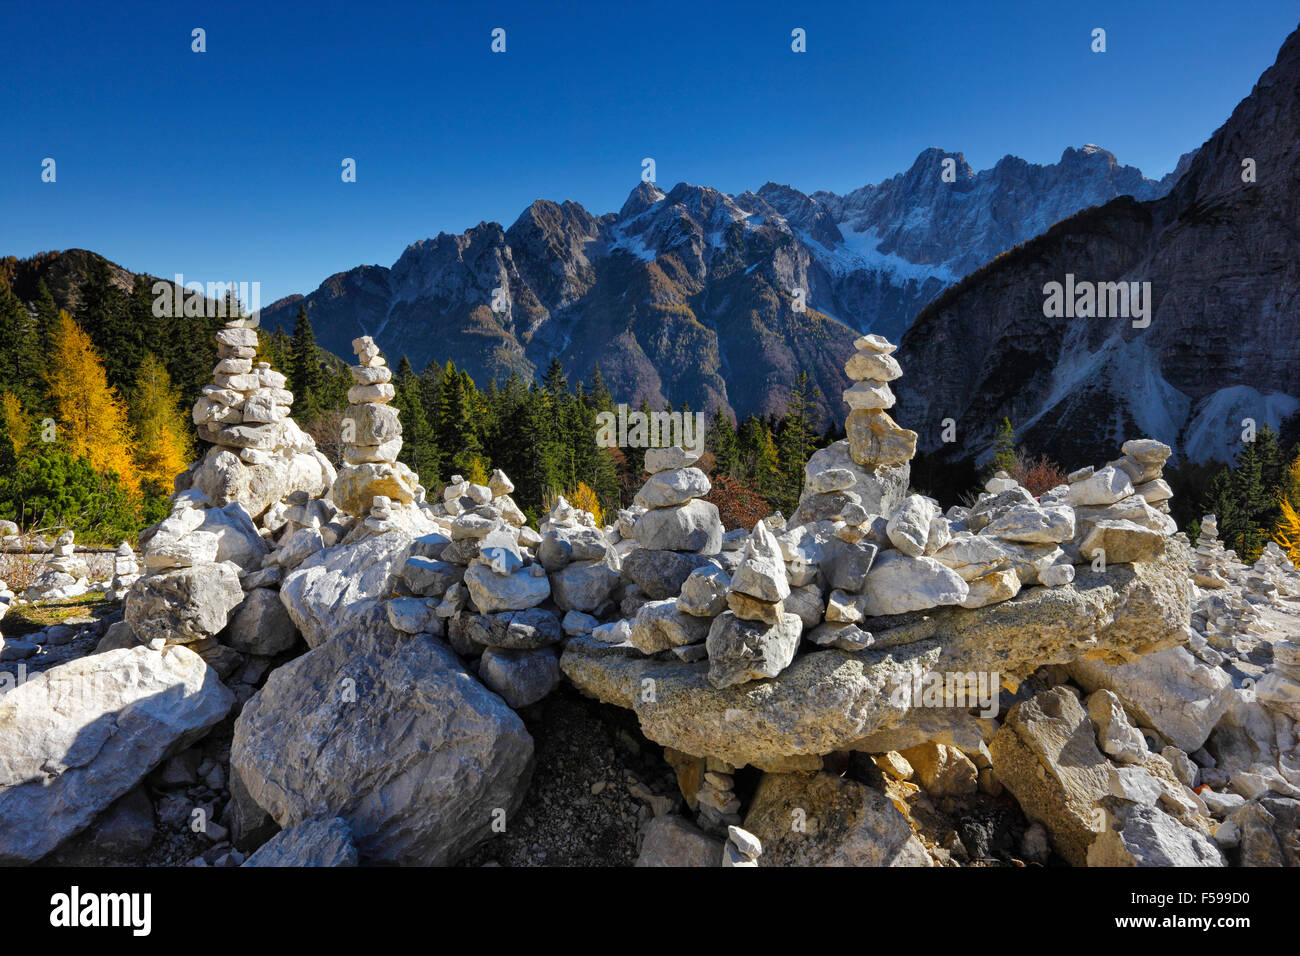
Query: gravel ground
x,y
579,811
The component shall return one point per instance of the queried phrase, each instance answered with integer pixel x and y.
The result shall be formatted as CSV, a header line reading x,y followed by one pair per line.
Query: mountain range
x,y
1219,351
700,298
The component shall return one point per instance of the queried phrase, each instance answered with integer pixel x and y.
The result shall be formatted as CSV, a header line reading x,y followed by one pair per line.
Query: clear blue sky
x,y
225,165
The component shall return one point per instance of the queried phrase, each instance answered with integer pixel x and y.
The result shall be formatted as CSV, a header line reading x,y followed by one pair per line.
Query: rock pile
x,y
810,635
64,576
1122,509
126,571
259,455
875,439
372,438
675,530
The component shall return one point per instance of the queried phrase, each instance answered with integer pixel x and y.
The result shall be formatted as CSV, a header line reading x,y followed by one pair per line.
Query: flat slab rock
x,y
818,704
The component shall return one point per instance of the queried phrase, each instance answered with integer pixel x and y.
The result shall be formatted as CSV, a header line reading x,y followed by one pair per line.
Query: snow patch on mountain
x,y
1216,425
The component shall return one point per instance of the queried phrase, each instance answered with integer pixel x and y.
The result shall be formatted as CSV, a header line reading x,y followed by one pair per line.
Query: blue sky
x,y
226,164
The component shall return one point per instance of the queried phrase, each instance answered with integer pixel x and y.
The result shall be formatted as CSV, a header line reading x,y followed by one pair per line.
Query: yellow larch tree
x,y
92,418
163,446
16,423
1287,532
585,498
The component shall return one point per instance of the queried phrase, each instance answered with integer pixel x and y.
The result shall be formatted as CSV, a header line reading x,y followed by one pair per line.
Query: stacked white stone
x,y
875,439
676,532
65,575
240,393
126,571
259,453
1114,513
676,518
1212,564
372,439
581,560
1277,568
756,637
719,806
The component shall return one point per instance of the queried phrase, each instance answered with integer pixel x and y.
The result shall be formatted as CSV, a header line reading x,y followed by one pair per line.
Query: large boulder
x,y
523,588
583,585
237,537
741,651
1172,691
1135,834
694,526
184,605
345,587
1046,754
390,734
661,574
822,820
880,490
80,735
898,583
262,625
520,677
669,840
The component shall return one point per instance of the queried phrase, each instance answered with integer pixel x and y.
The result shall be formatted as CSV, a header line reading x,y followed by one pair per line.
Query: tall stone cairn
x,y
372,438
259,453
241,395
875,439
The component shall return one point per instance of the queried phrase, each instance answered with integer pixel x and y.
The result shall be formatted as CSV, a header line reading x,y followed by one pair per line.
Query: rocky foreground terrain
x,y
322,664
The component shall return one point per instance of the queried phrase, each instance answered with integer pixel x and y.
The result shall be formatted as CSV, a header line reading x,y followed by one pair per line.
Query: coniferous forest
x,y
95,391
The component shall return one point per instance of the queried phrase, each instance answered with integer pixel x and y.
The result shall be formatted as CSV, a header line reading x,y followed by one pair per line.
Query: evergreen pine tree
x,y
20,355
1004,448
103,317
306,379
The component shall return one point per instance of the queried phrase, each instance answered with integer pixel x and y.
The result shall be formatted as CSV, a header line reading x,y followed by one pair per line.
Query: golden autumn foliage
x,y
585,498
163,448
477,473
92,418
17,425
1287,532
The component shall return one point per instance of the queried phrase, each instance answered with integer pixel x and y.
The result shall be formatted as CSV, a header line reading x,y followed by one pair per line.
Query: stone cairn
x,y
1228,611
583,565
372,439
875,439
126,571
65,575
258,454
1212,563
674,529
1122,510
241,517
480,581
858,548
